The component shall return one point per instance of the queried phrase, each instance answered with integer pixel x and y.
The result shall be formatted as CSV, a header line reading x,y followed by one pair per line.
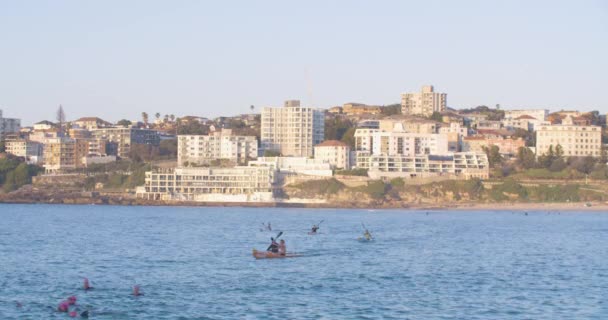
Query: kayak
x,y
363,239
270,255
313,233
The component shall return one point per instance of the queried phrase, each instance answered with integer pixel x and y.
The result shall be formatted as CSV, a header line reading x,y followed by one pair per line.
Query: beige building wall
x,y
336,153
202,149
292,130
577,141
423,103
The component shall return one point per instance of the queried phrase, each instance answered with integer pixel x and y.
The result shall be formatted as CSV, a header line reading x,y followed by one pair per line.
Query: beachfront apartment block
x,y
334,152
8,125
124,138
203,149
423,103
292,130
506,146
61,154
236,184
377,142
575,140
31,151
464,165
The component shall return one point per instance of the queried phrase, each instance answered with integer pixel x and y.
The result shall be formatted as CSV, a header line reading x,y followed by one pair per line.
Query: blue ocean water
x,y
196,263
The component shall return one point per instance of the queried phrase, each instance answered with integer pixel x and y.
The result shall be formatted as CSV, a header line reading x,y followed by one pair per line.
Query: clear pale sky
x,y
116,59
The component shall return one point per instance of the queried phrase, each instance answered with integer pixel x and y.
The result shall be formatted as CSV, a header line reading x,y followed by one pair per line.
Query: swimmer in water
x,y
136,291
85,314
72,300
86,284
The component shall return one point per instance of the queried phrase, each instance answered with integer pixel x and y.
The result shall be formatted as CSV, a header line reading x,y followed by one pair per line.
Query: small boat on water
x,y
271,255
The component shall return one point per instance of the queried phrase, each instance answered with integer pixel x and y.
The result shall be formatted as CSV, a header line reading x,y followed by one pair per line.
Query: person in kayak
x,y
269,227
314,228
274,246
282,248
367,235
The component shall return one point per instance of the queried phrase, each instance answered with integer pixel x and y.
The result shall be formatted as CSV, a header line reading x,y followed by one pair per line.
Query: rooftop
x,y
332,143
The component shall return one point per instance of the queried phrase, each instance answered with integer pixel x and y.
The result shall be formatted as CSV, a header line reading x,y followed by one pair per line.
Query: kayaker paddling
x,y
274,246
315,227
282,248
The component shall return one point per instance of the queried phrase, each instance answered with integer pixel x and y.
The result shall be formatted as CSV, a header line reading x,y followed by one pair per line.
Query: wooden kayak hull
x,y
270,255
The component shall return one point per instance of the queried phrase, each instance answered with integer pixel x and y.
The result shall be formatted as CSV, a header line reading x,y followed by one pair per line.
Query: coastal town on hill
x,y
417,153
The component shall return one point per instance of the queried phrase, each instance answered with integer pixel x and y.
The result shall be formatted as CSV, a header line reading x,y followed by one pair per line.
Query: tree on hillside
x,y
2,146
494,157
144,117
9,182
526,158
436,116
336,128
391,109
124,122
251,107
157,115
172,117
60,117
22,175
349,137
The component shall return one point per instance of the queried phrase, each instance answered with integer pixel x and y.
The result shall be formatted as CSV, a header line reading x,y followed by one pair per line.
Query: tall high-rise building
x,y
424,103
292,130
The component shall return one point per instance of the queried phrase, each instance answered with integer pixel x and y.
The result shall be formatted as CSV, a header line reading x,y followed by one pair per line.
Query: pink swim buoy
x,y
72,300
136,290
63,306
73,314
86,284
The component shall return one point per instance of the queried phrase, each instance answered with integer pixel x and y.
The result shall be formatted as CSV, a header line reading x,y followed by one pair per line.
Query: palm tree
x,y
144,117
252,107
157,115
166,118
172,117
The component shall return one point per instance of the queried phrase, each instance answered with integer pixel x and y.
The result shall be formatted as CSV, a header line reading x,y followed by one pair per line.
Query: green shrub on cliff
x,y
375,189
320,187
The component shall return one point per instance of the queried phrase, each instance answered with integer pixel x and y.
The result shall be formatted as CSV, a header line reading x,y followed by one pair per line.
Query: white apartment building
x,y
524,122
379,142
423,103
538,114
8,125
31,151
455,133
576,141
292,130
295,166
408,124
334,152
200,149
236,184
465,165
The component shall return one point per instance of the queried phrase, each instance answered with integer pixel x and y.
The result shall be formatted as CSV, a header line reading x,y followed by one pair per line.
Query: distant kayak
x,y
363,239
270,255
313,233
